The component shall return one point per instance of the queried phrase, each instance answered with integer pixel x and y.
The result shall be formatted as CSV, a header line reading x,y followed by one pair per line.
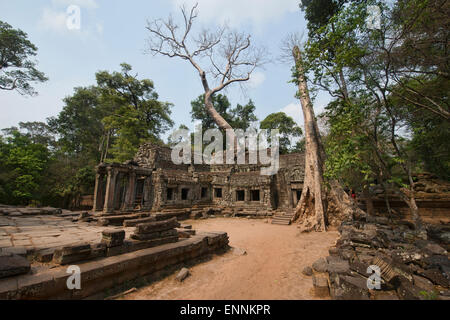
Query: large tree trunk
x,y
312,207
218,119
408,195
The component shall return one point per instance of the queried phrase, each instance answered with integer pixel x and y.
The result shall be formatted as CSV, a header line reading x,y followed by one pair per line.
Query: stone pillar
x,y
131,192
146,195
110,190
98,192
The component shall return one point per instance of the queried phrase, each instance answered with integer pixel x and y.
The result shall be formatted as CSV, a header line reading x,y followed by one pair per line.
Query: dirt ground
x,y
271,269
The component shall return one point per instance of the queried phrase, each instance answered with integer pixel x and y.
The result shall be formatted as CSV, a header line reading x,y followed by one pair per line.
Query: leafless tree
x,y
229,55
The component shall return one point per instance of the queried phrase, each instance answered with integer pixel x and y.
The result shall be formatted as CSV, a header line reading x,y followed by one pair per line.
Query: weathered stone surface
x,y
333,251
113,237
407,290
183,274
12,265
45,255
20,251
435,276
385,295
349,288
71,254
307,271
359,267
423,283
320,265
337,265
435,249
436,262
185,233
320,284
135,222
157,226
155,235
239,251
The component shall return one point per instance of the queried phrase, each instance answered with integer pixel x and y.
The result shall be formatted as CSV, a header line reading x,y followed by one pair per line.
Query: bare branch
x,y
288,44
230,55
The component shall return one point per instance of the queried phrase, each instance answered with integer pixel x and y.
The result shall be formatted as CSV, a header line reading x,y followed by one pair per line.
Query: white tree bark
x,y
313,205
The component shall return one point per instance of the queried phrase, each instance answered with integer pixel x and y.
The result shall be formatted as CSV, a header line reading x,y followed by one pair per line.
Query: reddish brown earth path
x,y
271,269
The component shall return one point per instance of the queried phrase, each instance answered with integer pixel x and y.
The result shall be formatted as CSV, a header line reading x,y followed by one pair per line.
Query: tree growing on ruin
x,y
313,209
221,57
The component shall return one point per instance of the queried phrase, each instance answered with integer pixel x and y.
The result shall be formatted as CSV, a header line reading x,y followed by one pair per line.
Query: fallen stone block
x,y
436,276
349,287
12,265
320,285
307,271
183,274
239,252
435,249
320,265
406,290
337,265
359,267
385,295
423,283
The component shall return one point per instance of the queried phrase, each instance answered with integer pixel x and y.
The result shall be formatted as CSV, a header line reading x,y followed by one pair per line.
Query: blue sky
x,y
113,32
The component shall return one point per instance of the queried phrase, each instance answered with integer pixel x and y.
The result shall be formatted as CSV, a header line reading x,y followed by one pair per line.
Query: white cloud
x,y
294,110
236,12
87,4
53,20
57,16
256,79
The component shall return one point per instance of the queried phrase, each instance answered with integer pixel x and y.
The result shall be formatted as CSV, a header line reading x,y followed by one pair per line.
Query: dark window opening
x,y
204,193
299,194
218,192
169,193
240,195
184,194
255,195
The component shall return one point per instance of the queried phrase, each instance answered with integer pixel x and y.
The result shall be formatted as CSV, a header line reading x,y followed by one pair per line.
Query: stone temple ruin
x,y
151,182
134,230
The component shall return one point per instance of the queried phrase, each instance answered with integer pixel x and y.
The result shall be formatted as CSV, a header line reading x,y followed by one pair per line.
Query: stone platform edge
x,y
105,273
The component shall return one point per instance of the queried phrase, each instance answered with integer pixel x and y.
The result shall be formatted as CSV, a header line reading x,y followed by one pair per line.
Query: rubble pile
x,y
378,259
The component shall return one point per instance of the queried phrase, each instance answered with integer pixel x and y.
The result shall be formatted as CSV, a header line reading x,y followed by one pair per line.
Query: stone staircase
x,y
283,217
